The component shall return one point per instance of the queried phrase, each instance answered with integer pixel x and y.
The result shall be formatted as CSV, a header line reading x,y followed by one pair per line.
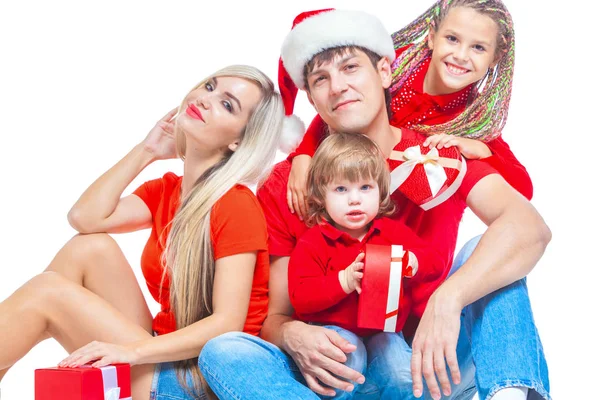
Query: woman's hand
x,y
160,141
102,353
296,189
351,277
470,148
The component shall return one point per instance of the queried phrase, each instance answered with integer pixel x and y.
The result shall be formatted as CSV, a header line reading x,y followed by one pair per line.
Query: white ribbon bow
x,y
436,176
112,391
112,394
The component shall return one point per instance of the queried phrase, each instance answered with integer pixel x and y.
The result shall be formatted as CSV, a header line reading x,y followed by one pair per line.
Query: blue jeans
x,y
165,385
497,334
505,344
388,374
241,366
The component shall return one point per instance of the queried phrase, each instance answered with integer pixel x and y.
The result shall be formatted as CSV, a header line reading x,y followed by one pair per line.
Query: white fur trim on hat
x,y
293,131
332,29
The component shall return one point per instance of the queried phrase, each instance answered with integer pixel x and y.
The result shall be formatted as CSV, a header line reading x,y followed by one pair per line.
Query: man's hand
x,y
320,354
434,345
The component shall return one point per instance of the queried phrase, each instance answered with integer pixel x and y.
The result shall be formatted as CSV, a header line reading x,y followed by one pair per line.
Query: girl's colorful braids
x,y
486,113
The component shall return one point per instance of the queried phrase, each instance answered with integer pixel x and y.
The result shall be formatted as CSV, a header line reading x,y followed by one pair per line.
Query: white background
x,y
81,83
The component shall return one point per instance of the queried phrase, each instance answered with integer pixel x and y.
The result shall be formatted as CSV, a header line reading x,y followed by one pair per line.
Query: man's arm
x,y
318,352
509,249
514,242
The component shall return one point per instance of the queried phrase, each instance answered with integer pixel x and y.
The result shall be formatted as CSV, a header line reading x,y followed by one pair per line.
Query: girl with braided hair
x,y
486,91
452,80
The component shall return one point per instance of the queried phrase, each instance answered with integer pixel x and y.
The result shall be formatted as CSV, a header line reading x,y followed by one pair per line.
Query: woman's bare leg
x,y
97,263
51,305
4,371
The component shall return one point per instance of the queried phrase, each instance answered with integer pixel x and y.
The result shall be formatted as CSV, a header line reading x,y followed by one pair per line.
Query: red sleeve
x,y
316,132
151,193
507,165
237,224
311,288
476,170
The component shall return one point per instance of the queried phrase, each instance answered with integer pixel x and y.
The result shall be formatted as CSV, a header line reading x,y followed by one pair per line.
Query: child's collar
x,y
333,233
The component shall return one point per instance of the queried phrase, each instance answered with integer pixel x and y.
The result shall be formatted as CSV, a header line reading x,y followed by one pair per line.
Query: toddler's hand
x,y
351,277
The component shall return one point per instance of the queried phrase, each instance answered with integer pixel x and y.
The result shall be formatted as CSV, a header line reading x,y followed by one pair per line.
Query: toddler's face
x,y
352,205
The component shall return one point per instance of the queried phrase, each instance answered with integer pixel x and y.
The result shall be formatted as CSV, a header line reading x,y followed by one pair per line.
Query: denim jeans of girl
x,y
498,347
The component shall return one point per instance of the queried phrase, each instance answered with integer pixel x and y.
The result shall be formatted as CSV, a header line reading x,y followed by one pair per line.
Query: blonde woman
x,y
206,261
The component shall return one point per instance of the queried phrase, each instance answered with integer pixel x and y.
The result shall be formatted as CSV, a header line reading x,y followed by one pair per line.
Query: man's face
x,y
348,92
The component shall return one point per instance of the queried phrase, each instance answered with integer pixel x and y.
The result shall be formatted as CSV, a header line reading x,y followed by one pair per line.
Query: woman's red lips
x,y
193,112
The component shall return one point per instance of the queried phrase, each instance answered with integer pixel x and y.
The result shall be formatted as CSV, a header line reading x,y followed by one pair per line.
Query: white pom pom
x,y
293,131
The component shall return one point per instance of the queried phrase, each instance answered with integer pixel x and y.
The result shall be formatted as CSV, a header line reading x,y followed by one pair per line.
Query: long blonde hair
x,y
188,255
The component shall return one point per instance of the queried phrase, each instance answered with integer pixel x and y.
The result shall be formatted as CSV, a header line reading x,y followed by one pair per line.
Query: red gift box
x,y
381,295
427,177
112,382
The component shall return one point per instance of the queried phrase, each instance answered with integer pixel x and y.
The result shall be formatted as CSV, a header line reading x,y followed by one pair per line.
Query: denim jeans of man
x,y
497,335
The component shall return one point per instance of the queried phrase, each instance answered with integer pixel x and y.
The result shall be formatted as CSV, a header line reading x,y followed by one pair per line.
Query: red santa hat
x,y
313,32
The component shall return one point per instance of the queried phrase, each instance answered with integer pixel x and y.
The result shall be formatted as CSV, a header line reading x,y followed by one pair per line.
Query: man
x,y
346,86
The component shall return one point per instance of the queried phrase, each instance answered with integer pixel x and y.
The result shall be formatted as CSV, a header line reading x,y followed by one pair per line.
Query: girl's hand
x,y
102,353
351,277
470,148
296,188
160,141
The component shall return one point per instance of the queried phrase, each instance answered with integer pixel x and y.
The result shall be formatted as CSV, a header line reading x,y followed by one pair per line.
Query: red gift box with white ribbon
x,y
112,382
427,177
380,300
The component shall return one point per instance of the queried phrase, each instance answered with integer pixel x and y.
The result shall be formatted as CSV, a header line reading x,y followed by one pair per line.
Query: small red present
x,y
381,296
427,177
112,382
